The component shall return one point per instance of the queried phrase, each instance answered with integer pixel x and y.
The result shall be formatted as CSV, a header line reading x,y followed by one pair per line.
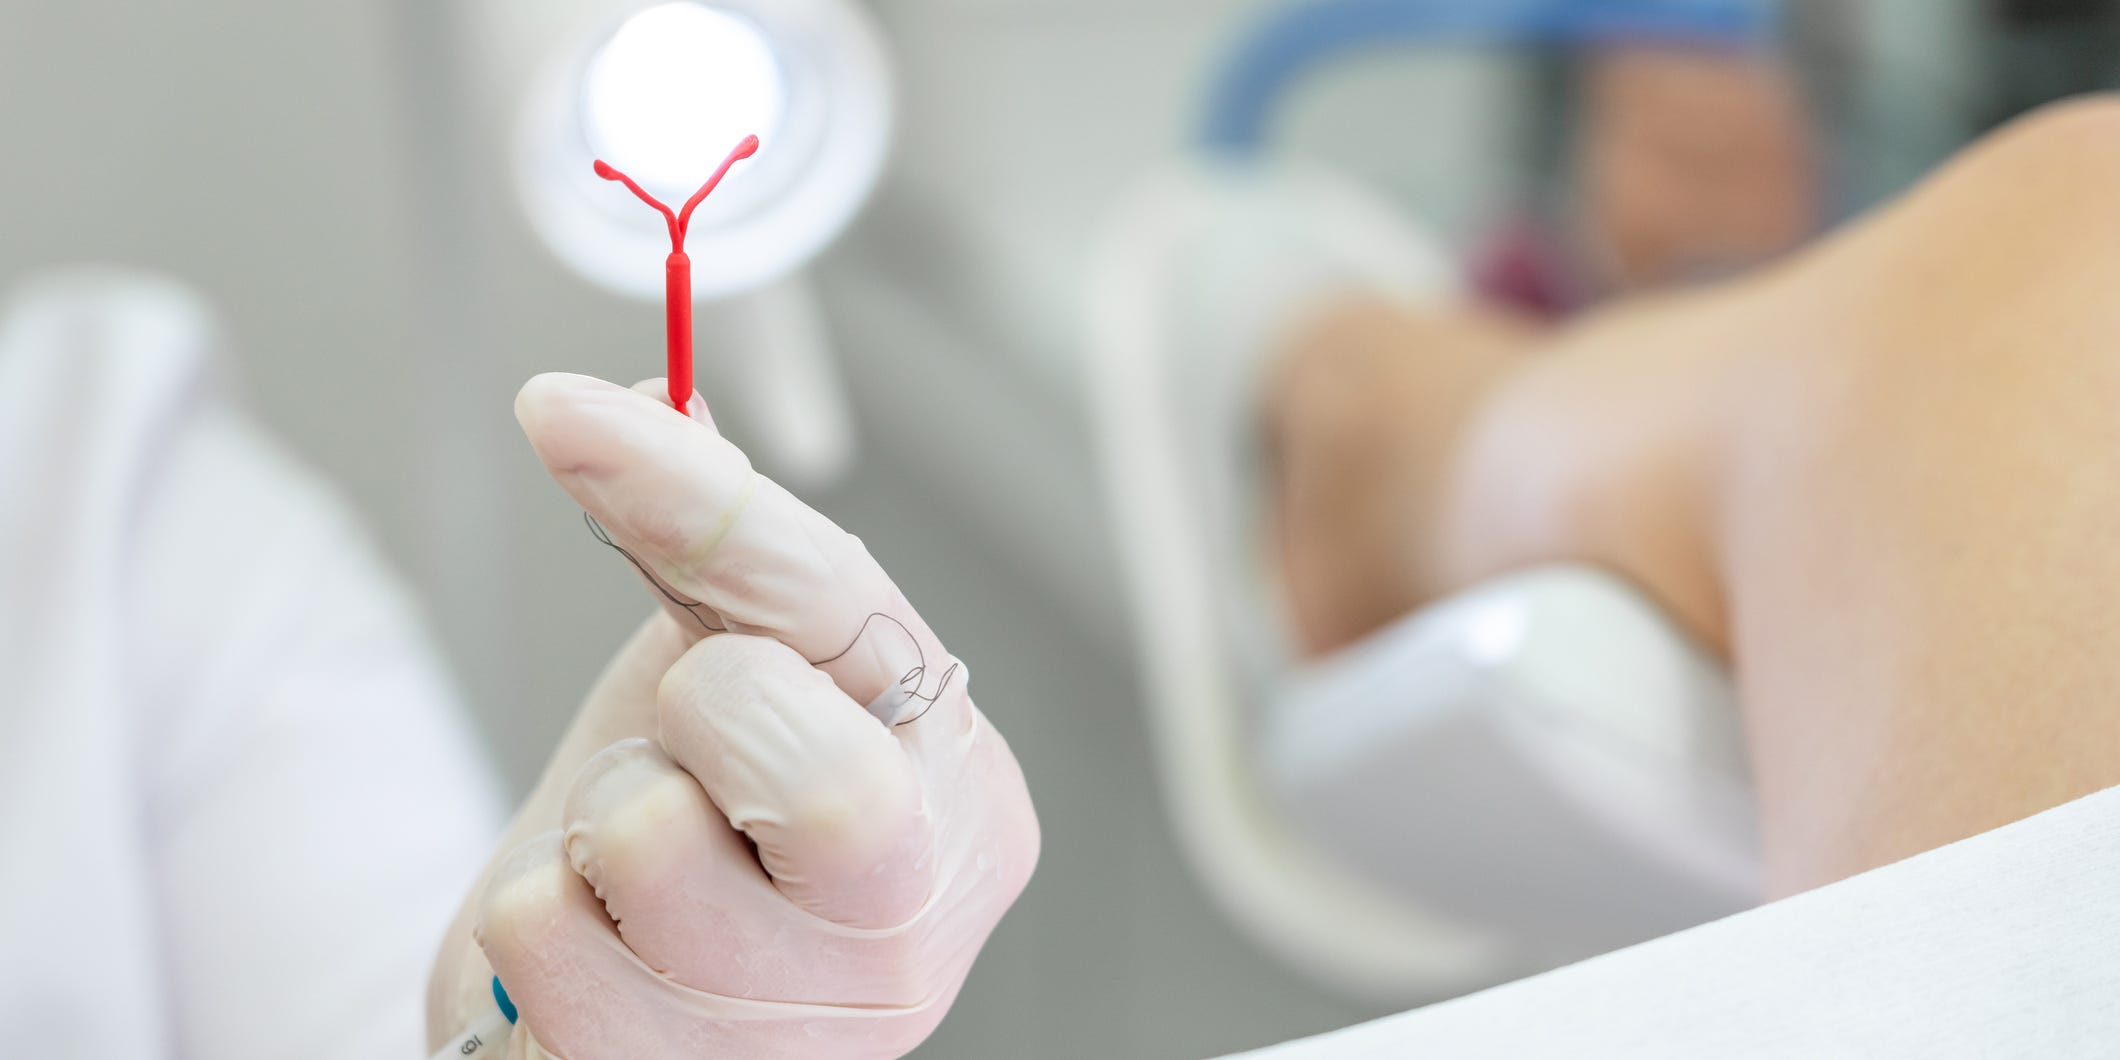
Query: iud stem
x,y
677,313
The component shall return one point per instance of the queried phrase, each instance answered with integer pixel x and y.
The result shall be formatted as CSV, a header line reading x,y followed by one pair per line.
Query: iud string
x,y
908,684
677,269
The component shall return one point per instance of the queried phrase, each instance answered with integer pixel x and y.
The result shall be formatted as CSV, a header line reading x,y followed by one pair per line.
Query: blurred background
x,y
344,182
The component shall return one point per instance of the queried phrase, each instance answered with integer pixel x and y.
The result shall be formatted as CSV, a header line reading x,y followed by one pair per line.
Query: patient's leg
x,y
1883,477
1361,427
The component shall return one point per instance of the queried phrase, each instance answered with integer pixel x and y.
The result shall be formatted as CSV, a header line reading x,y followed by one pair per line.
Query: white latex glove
x,y
795,835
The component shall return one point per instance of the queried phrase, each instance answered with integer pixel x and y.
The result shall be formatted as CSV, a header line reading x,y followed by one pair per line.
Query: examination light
x,y
662,91
673,86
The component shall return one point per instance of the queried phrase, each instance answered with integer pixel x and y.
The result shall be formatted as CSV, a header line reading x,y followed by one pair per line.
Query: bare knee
x,y
2027,209
2074,132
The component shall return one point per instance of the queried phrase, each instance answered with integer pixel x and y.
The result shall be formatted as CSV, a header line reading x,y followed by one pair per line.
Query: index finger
x,y
688,507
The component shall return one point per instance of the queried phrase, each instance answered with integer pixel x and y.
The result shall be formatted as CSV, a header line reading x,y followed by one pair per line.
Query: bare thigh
x,y
1884,477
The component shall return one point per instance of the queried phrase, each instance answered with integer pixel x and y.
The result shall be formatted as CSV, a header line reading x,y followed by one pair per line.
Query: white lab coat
x,y
237,803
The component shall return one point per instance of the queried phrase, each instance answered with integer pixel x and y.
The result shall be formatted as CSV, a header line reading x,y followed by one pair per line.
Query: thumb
x,y
658,389
620,705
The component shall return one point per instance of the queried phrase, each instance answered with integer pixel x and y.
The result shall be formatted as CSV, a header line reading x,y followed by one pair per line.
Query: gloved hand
x,y
779,827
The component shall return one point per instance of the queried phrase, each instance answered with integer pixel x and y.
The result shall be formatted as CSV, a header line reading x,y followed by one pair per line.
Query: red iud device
x,y
678,269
